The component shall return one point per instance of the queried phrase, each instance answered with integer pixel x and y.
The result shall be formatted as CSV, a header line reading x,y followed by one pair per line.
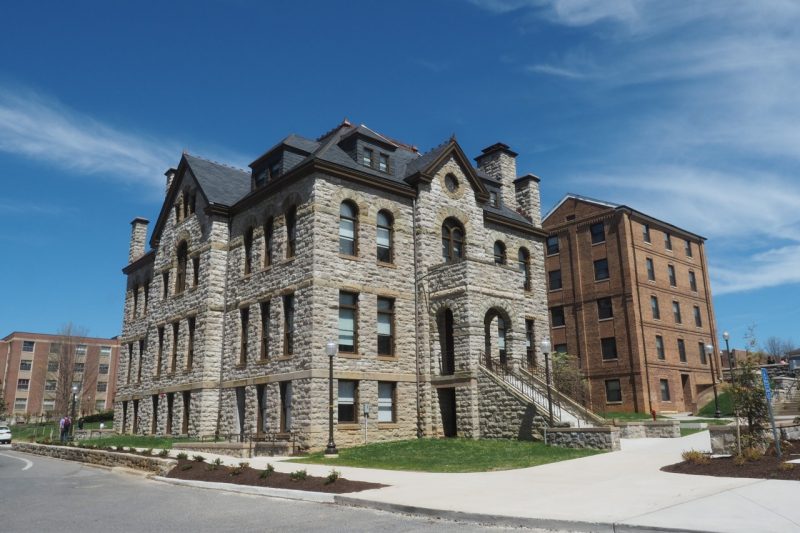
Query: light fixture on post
x,y
710,354
330,349
74,399
545,346
727,336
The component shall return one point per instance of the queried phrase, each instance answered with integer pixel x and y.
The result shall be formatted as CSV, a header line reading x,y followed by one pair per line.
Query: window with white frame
x,y
48,405
80,350
27,346
105,351
347,401
20,404
25,365
386,403
23,384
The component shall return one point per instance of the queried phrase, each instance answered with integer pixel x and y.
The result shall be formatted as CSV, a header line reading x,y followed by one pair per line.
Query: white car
x,y
5,435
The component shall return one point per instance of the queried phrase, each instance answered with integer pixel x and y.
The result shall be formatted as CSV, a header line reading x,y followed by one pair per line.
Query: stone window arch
x,y
524,259
385,236
499,253
453,240
348,228
248,251
183,255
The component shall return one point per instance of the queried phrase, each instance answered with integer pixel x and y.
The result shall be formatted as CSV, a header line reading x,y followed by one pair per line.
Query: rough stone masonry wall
x,y
503,414
602,438
98,457
652,430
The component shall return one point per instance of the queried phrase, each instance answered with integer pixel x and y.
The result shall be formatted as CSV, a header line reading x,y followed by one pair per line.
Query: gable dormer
x,y
280,159
369,149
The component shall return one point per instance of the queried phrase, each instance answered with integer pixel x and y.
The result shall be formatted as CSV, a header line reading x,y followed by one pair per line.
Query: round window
x,y
451,183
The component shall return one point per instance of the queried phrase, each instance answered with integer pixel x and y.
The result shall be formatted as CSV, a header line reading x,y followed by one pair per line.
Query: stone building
x,y
419,266
30,365
629,296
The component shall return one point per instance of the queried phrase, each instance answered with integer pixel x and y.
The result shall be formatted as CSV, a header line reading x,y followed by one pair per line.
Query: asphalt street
x,y
43,494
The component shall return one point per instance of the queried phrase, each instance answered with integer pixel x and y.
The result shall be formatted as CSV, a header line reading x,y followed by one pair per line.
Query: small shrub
x,y
120,448
298,475
187,466
695,457
148,451
236,470
786,466
163,453
267,471
198,458
217,462
739,460
332,477
752,453
182,456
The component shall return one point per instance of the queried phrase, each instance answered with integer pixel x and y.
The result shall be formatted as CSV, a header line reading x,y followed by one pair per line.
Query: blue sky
x,y
685,110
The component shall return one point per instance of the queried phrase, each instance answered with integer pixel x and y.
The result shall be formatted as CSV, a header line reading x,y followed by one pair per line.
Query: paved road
x,y
42,494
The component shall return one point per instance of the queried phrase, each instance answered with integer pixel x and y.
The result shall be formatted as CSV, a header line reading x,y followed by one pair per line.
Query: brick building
x,y
629,296
418,266
30,363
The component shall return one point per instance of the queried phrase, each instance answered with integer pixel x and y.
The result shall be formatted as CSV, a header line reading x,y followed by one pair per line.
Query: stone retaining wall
x,y
234,449
599,438
98,457
649,430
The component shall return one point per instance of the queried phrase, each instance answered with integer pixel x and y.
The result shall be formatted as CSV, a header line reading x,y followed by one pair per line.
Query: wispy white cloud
x,y
12,207
551,70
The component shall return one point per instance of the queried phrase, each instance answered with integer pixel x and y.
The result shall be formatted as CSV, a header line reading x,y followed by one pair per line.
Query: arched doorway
x,y
495,333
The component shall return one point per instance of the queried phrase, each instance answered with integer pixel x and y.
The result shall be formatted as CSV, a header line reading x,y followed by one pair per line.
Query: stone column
x,y
500,162
138,238
527,192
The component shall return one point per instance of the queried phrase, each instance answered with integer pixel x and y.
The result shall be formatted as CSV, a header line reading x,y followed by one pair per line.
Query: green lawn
x,y
449,455
628,417
138,441
725,406
26,432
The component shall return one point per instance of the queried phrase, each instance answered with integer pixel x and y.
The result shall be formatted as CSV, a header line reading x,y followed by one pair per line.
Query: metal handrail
x,y
527,387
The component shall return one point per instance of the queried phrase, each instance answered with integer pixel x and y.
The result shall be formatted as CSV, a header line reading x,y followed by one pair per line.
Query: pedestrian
x,y
62,433
67,427
80,423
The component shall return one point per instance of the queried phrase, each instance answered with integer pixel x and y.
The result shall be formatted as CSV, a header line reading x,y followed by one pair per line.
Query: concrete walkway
x,y
622,490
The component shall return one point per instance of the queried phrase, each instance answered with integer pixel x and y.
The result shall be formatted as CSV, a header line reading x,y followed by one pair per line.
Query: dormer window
x,y
275,169
366,158
493,200
383,163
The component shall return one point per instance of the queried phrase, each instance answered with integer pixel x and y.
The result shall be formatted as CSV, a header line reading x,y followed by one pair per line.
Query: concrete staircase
x,y
788,404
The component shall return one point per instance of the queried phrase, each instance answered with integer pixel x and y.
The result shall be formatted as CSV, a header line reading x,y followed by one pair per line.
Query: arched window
x,y
268,241
291,231
248,251
385,237
348,220
180,280
499,253
524,258
495,345
446,341
452,240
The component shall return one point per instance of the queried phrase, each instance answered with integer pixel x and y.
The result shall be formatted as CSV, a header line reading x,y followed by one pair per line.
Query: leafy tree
x,y
567,376
3,411
747,390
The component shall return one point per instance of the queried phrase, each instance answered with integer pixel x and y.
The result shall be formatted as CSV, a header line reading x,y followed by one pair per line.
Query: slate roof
x,y
221,184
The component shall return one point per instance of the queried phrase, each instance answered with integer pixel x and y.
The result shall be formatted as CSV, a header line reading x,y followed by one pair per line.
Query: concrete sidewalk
x,y
613,491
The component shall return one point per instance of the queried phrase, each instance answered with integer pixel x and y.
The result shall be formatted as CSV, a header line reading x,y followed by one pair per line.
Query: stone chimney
x,y
527,192
500,162
170,174
138,238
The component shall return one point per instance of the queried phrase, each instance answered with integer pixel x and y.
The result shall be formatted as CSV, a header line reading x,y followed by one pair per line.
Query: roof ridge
x,y
218,163
333,130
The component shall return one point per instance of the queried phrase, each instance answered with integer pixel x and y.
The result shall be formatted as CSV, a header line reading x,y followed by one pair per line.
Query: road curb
x,y
288,494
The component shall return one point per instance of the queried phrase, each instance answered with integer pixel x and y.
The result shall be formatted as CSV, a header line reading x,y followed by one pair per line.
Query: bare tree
x,y
65,355
776,347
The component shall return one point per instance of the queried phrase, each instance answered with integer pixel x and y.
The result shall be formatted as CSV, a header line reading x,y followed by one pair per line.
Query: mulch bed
x,y
766,467
197,471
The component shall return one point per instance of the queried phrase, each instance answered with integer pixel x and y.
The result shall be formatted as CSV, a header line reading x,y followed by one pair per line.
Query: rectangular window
x,y
174,355
50,384
27,346
605,308
613,391
347,401
654,308
164,285
78,367
682,350
348,321
264,352
383,163
646,232
102,368
288,324
366,157
688,248
80,350
701,347
244,321
20,404
671,273
99,405
554,279
530,342
609,348
291,232
139,366
190,322
552,245
560,348
385,326
195,270
386,403
105,351
160,352
692,281
135,293
698,320
557,317
598,232
493,199
55,348
660,347
23,384
667,241
676,312
146,297
102,386
664,390
48,405
25,365
651,271
601,269
52,366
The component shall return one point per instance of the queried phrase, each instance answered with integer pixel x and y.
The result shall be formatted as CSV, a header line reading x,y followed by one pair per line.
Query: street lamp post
x,y
74,399
330,450
710,354
545,346
726,336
